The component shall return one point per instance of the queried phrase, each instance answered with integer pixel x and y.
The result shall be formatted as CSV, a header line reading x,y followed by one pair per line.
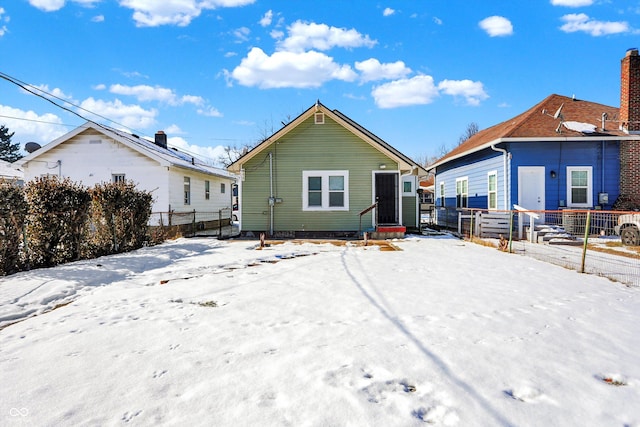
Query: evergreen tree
x,y
8,152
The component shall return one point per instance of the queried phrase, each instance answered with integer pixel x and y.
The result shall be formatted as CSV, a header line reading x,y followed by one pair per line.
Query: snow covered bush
x,y
13,210
57,215
119,216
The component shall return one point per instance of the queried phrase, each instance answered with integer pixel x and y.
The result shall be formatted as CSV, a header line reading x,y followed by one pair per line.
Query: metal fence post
x,y
586,240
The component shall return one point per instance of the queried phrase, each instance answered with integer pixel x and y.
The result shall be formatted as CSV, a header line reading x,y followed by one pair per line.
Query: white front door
x,y
531,188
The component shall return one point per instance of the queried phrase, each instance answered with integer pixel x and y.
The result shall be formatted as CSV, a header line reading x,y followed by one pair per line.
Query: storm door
x,y
387,197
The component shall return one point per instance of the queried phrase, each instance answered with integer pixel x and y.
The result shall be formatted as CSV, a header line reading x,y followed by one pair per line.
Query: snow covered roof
x,y
166,156
10,171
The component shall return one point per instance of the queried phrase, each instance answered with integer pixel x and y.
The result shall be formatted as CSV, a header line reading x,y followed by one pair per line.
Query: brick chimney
x,y
161,139
630,92
629,123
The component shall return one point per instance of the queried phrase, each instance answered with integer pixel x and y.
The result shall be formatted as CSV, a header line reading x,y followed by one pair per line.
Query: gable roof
x,y
539,124
165,156
8,170
403,161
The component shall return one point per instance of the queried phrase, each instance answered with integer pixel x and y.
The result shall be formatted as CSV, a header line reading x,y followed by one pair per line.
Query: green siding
x,y
409,208
310,146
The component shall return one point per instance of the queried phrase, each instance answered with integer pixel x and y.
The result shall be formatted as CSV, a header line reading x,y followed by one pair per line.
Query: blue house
x,y
561,153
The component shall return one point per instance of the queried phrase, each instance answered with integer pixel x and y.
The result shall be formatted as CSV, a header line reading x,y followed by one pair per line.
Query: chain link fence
x,y
583,240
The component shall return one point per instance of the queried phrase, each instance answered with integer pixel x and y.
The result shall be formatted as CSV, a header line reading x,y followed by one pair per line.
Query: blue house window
x,y
579,186
442,194
462,192
492,190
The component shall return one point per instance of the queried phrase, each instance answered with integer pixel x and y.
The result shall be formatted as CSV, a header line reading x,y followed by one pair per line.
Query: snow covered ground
x,y
207,332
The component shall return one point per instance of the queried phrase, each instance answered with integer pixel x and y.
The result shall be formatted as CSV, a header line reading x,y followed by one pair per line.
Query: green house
x,y
323,175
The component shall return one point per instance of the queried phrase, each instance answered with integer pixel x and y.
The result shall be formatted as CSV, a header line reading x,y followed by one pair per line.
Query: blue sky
x,y
215,73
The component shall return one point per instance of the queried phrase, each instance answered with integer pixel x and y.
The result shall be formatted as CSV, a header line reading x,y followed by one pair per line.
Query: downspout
x,y
271,198
505,154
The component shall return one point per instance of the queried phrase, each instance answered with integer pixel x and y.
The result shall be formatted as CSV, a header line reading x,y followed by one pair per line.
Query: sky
x,y
216,73
205,332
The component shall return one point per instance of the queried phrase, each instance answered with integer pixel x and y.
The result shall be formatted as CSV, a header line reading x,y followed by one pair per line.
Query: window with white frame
x,y
207,190
325,190
462,192
492,190
442,194
187,190
117,178
579,186
223,188
407,185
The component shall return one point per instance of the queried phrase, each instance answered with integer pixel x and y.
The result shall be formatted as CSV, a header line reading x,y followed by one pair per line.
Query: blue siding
x,y
477,174
557,156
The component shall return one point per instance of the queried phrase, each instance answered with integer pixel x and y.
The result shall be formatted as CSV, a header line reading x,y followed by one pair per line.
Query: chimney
x,y
630,92
161,139
629,123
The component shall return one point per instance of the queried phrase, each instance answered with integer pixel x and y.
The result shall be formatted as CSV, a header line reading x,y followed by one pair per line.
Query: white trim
x,y
462,179
489,175
589,187
324,175
412,180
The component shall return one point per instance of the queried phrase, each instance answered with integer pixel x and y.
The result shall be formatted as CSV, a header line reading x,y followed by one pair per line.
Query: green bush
x,y
13,211
56,220
119,216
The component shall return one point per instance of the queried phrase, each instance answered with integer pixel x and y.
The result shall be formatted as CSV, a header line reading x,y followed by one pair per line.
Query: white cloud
x,y
132,116
418,90
372,70
289,69
437,20
145,93
303,36
388,11
150,13
3,28
242,33
265,21
497,26
580,22
473,92
47,5
209,112
98,18
210,153
53,5
100,86
572,3
30,126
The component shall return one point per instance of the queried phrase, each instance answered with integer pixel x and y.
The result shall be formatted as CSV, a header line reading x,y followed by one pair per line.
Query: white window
x,y
187,190
117,177
325,190
207,190
492,190
223,188
407,186
579,187
462,192
319,118
442,194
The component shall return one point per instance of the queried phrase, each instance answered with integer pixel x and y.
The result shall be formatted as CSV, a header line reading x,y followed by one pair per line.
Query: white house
x,y
9,172
94,153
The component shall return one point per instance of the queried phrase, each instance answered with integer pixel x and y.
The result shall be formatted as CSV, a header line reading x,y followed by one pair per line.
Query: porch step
x,y
389,232
553,235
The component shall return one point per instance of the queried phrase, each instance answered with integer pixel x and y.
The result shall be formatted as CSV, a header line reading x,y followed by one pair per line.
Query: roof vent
x,y
319,118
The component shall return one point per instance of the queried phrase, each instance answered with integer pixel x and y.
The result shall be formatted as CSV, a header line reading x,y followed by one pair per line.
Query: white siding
x,y
216,201
85,160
